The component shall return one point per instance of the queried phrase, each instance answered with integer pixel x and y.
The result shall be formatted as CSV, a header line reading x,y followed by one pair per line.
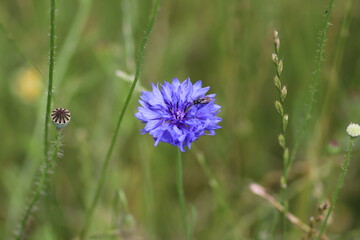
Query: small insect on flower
x,y
173,116
60,117
202,100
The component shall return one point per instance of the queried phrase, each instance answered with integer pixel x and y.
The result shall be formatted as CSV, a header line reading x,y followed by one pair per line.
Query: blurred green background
x,y
227,45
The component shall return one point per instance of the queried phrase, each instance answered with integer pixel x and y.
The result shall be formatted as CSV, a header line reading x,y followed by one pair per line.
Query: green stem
x,y
180,190
105,165
314,83
282,139
51,77
339,185
45,169
284,178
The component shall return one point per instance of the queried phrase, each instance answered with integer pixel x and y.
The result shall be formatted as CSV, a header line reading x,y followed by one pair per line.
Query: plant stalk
x,y
105,165
180,190
51,76
339,185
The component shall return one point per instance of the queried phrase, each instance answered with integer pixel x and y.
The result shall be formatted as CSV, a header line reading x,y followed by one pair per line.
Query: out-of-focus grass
x,y
228,45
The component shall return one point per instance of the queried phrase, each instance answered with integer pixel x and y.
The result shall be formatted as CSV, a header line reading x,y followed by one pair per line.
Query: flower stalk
x,y
51,76
279,106
105,164
313,89
180,190
339,184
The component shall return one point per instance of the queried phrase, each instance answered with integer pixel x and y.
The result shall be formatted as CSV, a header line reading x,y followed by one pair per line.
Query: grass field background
x,y
227,45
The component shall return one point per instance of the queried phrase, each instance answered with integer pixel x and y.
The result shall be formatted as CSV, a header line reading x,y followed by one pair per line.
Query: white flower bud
x,y
353,129
275,58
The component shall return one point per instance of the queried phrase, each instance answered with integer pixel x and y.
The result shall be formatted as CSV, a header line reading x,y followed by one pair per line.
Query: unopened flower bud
x,y
333,147
279,107
276,40
286,156
283,93
285,121
276,34
282,140
280,66
277,82
353,130
275,58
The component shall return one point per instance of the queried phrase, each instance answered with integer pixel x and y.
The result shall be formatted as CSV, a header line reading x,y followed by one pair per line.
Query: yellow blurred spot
x,y
27,85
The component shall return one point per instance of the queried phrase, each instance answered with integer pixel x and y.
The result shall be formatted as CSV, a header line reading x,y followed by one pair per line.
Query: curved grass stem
x,y
105,165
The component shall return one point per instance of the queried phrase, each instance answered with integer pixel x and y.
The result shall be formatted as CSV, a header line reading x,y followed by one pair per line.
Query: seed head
x,y
60,117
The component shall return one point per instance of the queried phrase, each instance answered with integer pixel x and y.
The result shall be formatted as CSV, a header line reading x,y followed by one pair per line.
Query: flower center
x,y
177,112
179,115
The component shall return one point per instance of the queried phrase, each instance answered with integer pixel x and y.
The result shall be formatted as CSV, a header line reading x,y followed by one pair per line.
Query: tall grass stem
x,y
180,190
284,118
314,83
339,185
105,165
51,76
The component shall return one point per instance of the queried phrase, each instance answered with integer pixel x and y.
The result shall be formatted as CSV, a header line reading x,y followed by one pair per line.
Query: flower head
x,y
60,117
353,129
178,113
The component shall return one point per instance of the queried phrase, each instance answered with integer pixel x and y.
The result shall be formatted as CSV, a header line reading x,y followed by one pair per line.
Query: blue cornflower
x,y
178,113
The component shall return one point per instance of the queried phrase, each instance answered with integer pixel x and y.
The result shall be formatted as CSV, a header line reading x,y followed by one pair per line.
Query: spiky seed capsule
x,y
60,117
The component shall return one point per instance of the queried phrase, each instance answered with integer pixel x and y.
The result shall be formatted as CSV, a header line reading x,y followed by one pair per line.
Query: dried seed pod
x,y
60,117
